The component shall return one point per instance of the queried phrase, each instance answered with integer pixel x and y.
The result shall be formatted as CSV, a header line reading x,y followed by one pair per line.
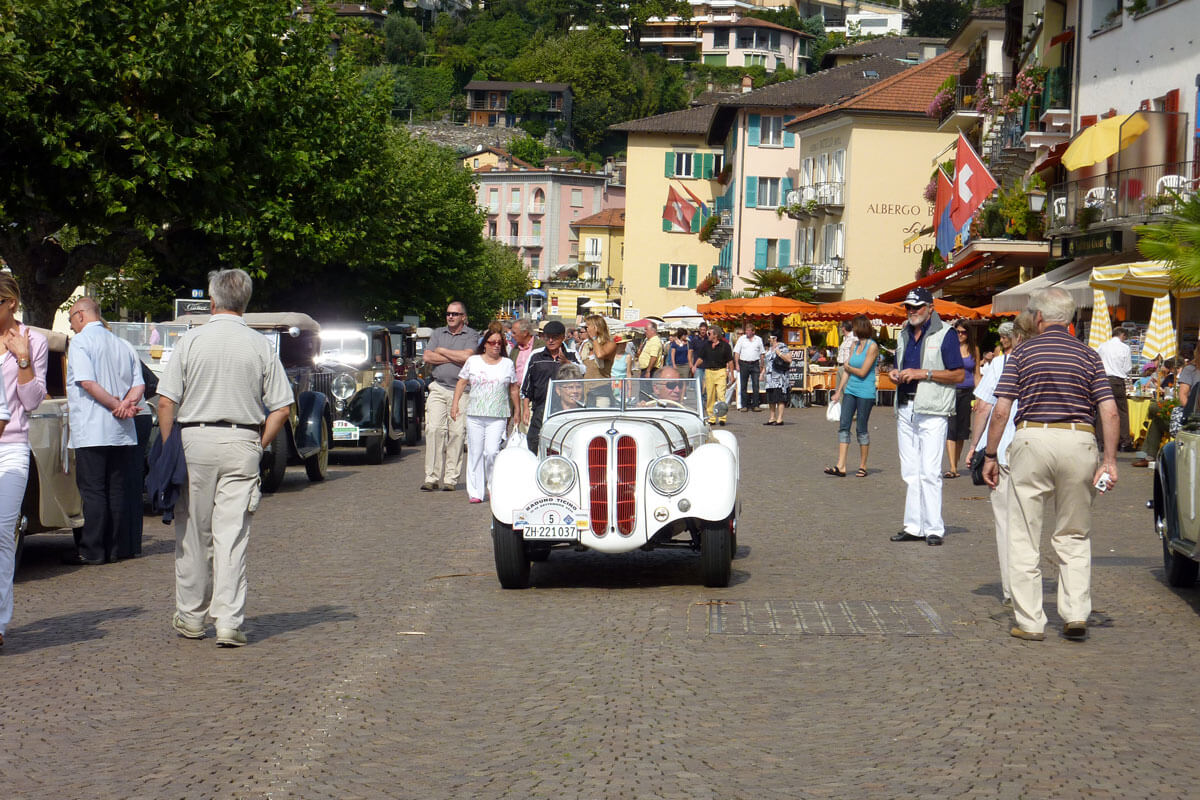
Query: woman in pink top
x,y
23,354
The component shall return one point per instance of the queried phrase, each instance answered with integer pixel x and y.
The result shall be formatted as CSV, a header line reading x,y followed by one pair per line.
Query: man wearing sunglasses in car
x,y
668,386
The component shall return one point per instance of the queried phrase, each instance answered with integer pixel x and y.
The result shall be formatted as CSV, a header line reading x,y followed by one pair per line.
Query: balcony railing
x,y
966,96
589,258
831,276
537,208
514,207
809,200
1126,194
531,241
484,105
576,283
1056,90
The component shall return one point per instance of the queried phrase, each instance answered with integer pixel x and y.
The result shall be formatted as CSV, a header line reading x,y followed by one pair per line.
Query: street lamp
x,y
1037,200
608,283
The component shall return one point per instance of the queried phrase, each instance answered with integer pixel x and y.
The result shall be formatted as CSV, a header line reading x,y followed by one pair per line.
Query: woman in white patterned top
x,y
491,407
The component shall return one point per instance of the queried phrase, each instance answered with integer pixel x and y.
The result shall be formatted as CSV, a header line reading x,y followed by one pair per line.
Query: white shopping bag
x,y
833,412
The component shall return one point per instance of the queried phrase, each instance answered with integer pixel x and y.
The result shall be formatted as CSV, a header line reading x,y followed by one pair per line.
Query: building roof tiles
x,y
608,218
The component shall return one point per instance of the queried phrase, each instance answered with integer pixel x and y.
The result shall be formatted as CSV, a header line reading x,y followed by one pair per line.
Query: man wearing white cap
x,y
928,366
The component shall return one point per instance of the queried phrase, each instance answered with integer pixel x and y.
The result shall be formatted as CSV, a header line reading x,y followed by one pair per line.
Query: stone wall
x,y
463,138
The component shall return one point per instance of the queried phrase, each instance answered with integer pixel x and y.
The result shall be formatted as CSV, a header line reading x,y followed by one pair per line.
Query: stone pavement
x,y
385,661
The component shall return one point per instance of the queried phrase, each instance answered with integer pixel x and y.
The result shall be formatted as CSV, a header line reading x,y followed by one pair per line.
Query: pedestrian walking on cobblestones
x,y
1056,381
491,407
104,390
543,366
776,364
856,394
220,379
23,369
449,348
928,365
716,359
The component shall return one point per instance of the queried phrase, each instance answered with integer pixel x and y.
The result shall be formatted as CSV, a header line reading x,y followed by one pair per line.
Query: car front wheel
x,y
716,554
317,465
375,449
1179,569
512,561
274,463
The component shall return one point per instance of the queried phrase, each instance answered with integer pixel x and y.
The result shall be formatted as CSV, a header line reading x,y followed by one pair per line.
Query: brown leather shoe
x,y
1028,636
1075,630
1141,462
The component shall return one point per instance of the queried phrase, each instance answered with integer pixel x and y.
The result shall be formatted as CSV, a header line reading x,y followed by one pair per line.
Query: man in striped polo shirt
x,y
1056,381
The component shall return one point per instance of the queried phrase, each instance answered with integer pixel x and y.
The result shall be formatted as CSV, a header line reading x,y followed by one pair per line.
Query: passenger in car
x,y
569,395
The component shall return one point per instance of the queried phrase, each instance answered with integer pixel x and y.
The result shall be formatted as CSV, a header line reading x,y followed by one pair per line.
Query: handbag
x,y
779,365
833,413
976,464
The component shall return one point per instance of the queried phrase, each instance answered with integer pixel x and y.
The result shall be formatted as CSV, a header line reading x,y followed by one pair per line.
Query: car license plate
x,y
344,431
550,518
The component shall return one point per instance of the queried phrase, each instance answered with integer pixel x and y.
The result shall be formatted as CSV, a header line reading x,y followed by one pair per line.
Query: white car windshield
x,y
344,347
628,394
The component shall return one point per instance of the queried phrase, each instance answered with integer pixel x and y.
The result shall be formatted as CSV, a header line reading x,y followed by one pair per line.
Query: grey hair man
x,y
1056,381
449,348
227,392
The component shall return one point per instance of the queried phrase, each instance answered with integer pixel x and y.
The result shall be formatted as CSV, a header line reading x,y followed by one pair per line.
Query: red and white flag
x,y
972,183
677,211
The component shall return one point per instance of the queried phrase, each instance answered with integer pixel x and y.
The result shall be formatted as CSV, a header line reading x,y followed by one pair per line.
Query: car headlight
x,y
555,475
377,380
344,387
669,475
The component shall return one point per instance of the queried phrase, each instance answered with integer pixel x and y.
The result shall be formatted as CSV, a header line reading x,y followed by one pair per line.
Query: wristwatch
x,y
992,456
22,363
928,374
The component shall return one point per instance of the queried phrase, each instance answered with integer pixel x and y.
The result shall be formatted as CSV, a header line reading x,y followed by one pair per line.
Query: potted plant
x,y
1086,216
707,284
725,174
710,225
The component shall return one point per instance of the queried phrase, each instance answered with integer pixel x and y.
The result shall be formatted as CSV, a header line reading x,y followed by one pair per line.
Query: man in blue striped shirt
x,y
1056,381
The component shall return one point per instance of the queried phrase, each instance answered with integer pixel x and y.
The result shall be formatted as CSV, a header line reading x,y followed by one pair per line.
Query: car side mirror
x,y
720,408
293,332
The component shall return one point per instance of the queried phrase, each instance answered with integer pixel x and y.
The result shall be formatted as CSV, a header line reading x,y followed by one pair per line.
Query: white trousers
x,y
14,472
443,437
921,439
1001,496
210,540
1051,463
485,435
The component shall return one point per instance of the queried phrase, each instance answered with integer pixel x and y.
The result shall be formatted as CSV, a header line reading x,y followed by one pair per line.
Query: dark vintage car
x,y
370,407
308,433
406,367
1175,504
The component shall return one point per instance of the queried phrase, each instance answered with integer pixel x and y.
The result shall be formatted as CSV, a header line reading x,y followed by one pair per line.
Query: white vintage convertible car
x,y
621,465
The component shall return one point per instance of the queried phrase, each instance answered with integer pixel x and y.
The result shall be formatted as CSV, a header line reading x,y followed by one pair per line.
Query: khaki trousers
x,y
1001,497
1050,463
444,437
714,388
211,538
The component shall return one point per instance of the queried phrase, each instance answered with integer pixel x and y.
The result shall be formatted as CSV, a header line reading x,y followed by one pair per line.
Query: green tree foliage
x,y
499,277
1176,240
787,17
937,17
403,39
134,288
632,15
777,282
528,149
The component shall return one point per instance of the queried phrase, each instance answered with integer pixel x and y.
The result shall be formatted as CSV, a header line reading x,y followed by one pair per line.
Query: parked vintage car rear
x,y
406,367
621,466
308,433
1176,504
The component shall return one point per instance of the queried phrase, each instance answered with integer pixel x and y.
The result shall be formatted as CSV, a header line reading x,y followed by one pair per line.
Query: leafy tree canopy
x,y
937,17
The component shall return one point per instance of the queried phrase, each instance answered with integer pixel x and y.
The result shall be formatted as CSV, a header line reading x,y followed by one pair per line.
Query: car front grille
x,y
626,484
321,382
625,489
598,483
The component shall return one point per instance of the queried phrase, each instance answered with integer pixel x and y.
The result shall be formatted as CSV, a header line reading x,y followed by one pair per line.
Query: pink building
x,y
531,210
748,41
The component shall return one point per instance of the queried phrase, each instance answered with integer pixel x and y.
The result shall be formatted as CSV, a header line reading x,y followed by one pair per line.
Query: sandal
x,y
949,475
835,471
862,473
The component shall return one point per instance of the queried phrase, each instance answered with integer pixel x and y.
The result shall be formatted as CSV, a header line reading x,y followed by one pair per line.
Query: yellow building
x,y
493,157
670,173
864,163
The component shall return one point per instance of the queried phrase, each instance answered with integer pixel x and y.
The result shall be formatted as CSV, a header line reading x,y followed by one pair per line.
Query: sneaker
x,y
1028,636
1075,630
428,486
230,637
186,630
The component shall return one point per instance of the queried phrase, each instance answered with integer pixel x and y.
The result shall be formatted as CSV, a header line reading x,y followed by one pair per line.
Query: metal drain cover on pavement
x,y
824,618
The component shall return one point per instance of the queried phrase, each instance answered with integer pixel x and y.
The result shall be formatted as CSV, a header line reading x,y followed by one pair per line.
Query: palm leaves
x,y
777,282
1175,241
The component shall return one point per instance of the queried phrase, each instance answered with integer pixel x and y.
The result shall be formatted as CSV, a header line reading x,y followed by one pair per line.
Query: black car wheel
x,y
274,463
317,465
412,428
1179,569
512,561
716,555
375,449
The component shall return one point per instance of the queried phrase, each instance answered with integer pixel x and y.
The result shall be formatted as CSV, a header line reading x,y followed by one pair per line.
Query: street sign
x,y
185,305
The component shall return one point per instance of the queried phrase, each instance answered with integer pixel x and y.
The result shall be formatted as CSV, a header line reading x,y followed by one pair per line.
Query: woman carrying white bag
x,y
492,407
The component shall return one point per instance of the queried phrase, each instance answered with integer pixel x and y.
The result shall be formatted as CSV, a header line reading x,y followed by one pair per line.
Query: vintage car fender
x,y
417,388
730,441
514,482
310,418
366,409
399,405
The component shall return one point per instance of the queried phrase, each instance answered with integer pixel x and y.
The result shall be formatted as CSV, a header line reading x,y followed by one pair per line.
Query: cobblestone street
x,y
385,660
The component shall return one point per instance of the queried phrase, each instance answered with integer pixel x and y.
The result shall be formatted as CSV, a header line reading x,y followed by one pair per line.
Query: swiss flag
x,y
678,212
972,183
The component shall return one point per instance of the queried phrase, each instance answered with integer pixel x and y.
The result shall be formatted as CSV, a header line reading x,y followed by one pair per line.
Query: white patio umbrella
x,y
600,303
1101,330
1160,335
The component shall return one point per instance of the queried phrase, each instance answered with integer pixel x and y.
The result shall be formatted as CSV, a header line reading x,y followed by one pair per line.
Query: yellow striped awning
x,y
1101,330
1140,279
1160,335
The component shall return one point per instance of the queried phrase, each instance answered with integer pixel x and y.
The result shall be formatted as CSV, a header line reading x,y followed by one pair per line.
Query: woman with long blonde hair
x,y
23,367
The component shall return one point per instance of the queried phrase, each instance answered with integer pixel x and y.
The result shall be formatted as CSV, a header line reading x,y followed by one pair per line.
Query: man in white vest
x,y
928,366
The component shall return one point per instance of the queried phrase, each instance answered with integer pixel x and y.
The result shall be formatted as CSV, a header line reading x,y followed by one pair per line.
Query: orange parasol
x,y
986,311
848,309
754,307
949,310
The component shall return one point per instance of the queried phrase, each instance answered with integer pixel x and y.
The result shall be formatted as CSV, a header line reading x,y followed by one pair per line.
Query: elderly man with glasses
x,y
928,366
448,349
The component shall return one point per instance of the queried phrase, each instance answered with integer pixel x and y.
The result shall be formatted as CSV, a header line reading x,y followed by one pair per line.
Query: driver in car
x,y
668,386
568,395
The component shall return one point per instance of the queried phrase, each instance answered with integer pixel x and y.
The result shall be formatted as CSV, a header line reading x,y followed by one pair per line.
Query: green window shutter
x,y
785,186
692,268
755,130
785,252
732,140
789,138
751,191
708,166
669,170
664,275
696,222
760,253
666,222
